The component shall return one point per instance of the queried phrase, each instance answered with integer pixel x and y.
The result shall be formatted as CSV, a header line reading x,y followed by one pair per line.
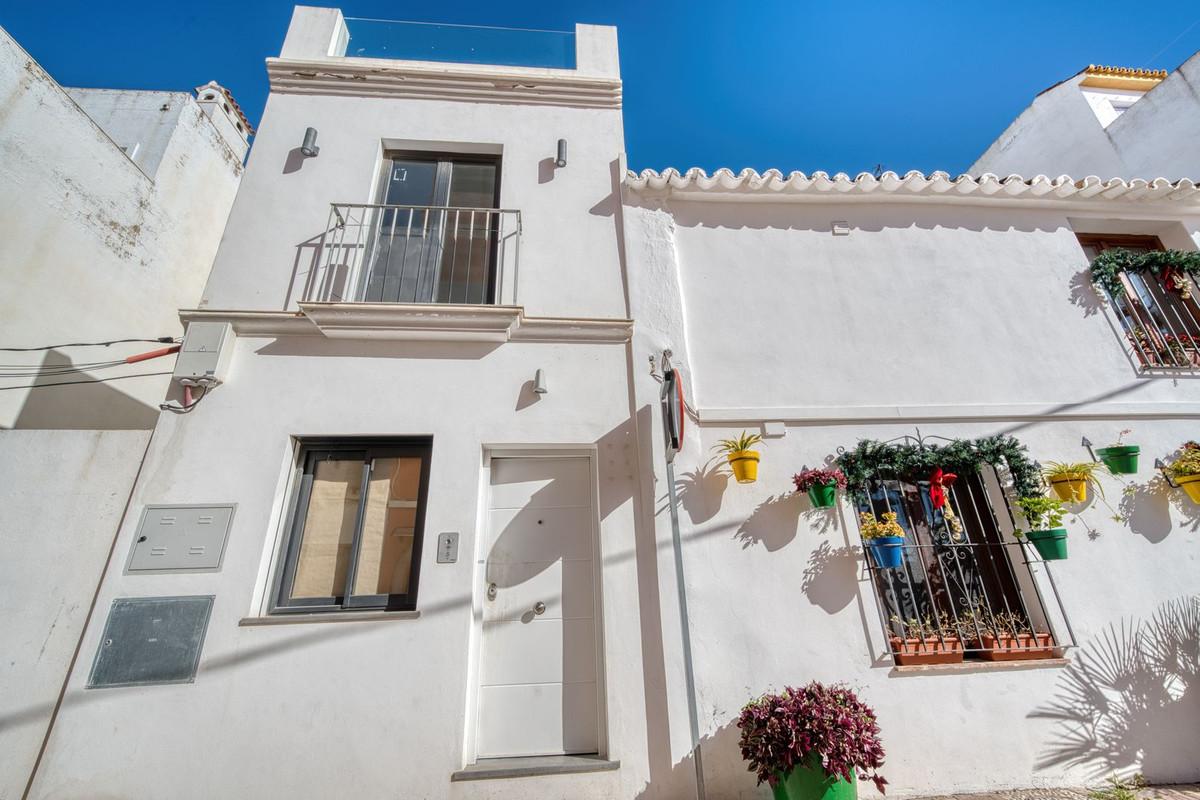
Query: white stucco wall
x,y
92,249
392,702
141,123
923,313
62,495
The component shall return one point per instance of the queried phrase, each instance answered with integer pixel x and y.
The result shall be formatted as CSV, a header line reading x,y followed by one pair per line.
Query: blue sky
x,y
837,86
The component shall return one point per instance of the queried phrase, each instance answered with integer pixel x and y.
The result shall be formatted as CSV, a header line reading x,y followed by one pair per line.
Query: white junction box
x,y
206,353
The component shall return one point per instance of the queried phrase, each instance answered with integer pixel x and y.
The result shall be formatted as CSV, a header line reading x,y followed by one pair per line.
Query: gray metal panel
x,y
180,538
447,549
151,640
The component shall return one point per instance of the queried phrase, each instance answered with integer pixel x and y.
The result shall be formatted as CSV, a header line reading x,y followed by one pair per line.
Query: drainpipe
x,y
689,674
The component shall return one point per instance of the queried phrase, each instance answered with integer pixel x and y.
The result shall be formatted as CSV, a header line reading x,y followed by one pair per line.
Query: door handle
x,y
539,608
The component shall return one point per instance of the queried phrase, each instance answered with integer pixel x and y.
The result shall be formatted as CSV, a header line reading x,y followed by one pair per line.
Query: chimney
x,y
219,106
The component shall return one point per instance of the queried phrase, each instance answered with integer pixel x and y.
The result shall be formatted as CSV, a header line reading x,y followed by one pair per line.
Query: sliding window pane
x,y
328,536
389,527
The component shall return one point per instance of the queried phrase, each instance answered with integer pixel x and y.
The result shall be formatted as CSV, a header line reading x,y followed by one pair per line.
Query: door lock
x,y
539,607
491,591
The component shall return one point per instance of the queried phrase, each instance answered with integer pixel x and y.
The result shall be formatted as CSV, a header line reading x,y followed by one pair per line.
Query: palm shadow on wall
x,y
1129,702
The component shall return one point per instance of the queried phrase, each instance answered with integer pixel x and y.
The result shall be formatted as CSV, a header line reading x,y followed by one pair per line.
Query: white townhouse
x,y
421,533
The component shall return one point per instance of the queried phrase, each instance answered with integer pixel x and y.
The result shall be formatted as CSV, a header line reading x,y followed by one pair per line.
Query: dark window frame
x,y
308,454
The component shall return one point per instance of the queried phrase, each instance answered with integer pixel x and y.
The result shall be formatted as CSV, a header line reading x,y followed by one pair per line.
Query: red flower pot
x,y
931,650
1021,647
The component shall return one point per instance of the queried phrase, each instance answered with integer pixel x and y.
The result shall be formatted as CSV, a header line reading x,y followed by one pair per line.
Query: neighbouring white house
x,y
1107,121
112,203
422,531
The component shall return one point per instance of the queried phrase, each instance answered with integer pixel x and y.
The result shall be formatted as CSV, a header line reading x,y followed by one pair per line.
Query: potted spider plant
x,y
812,743
821,484
742,460
1071,481
1044,516
1185,469
925,641
1120,458
883,538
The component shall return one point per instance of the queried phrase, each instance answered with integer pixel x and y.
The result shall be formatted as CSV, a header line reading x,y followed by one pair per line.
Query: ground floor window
x,y
354,539
960,586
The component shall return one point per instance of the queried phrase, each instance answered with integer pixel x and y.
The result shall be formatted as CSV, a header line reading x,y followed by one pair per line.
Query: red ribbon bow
x,y
938,481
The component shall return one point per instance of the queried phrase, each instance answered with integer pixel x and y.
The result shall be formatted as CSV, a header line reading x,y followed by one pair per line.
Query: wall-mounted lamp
x,y
309,148
561,161
539,382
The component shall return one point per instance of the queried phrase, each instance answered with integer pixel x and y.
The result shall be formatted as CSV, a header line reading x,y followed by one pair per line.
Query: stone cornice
x,y
417,322
370,77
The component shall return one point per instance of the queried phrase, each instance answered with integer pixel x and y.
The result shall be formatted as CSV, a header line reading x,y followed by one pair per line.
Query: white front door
x,y
538,690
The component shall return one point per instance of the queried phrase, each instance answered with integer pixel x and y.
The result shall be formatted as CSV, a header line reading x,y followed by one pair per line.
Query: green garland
x,y
1108,266
871,459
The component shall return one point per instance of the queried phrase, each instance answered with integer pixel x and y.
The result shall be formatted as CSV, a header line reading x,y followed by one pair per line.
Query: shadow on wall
x,y
1130,702
831,577
722,762
773,524
87,406
701,490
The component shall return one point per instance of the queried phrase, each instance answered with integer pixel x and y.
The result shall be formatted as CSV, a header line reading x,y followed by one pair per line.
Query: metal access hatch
x,y
151,640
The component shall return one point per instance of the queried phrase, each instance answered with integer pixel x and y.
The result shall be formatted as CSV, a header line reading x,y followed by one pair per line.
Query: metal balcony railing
x,y
1161,325
416,254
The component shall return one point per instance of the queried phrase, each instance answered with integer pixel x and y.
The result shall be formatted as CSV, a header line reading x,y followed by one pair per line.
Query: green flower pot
x,y
811,783
823,495
1051,545
1121,459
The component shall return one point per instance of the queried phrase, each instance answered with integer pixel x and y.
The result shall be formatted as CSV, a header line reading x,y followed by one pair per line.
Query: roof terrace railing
x,y
462,44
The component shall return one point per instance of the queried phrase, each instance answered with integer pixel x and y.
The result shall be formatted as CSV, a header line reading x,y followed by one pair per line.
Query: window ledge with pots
x,y
969,667
327,616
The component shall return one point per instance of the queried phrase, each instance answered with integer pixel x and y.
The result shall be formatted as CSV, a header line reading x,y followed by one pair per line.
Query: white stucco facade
x,y
819,310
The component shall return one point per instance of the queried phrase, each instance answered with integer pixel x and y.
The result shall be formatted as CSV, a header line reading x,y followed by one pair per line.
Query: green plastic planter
x,y
823,495
1120,459
1051,545
811,783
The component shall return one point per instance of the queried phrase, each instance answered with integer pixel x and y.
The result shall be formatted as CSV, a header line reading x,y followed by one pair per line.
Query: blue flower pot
x,y
888,551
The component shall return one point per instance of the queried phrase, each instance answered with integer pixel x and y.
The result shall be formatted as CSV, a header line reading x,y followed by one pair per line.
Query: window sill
x,y
329,616
532,766
970,667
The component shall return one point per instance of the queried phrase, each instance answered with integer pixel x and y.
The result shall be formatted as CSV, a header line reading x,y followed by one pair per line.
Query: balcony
x,y
460,44
415,255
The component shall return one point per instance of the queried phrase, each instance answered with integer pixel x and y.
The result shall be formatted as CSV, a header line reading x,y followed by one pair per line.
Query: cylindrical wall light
x,y
562,153
309,148
539,383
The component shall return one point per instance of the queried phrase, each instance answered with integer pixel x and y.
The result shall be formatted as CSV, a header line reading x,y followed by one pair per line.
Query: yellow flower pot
x,y
1191,485
744,464
1070,490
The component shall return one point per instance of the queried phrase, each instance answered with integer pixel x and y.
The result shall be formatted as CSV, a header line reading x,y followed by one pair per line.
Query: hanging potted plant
x,y
883,538
821,484
1185,469
925,642
1071,481
742,460
1120,459
812,743
1044,517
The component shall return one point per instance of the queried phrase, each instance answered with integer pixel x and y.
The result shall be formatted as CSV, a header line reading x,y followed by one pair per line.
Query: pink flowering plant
x,y
805,479
813,725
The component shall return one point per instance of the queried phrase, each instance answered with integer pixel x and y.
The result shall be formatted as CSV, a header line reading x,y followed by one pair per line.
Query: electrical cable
x,y
96,380
182,409
160,340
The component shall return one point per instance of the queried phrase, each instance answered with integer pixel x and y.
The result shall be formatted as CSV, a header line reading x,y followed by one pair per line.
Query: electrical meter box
x,y
180,539
206,352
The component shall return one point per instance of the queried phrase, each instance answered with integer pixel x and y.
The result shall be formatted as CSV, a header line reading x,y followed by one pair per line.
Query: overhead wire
x,y
94,380
159,339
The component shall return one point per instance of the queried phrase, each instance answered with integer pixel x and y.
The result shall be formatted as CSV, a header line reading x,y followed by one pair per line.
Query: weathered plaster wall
x,y
141,123
919,307
1159,132
92,249
62,495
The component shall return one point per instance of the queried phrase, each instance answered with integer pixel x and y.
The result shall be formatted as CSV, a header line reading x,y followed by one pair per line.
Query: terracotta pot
x,y
1021,647
931,650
